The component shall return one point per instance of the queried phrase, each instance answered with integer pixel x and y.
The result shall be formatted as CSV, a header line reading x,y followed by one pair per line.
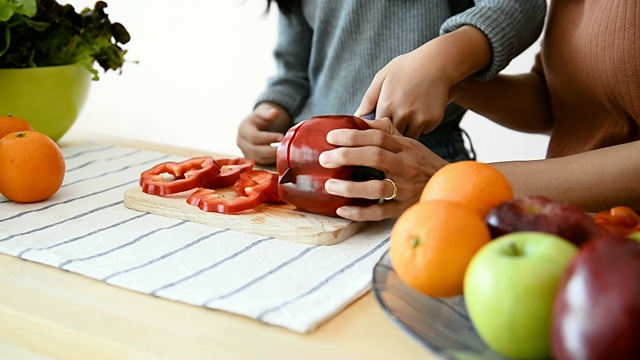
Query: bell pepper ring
x,y
302,178
212,200
230,170
253,188
249,179
174,177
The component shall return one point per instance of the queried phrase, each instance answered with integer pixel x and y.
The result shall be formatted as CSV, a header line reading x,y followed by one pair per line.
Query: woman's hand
x,y
405,161
260,129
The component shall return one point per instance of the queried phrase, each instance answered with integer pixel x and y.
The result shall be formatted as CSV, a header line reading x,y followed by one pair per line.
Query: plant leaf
x,y
4,38
45,33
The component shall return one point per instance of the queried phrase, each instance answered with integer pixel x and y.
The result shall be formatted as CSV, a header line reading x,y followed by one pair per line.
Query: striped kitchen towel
x,y
86,229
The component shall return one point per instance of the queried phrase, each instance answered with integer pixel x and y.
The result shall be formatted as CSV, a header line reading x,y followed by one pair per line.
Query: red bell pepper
x,y
619,220
271,194
212,200
302,178
250,190
230,170
249,179
171,177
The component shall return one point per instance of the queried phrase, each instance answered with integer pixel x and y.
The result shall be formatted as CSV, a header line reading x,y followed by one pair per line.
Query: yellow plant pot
x,y
49,98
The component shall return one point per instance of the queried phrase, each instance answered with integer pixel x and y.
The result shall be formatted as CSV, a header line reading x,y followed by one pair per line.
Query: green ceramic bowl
x,y
49,98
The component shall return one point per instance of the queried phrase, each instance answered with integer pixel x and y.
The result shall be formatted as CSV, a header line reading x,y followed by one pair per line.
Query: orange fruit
x,y
31,166
479,186
432,243
9,124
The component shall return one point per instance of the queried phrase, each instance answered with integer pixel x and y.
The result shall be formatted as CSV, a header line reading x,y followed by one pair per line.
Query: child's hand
x,y
259,130
413,89
413,95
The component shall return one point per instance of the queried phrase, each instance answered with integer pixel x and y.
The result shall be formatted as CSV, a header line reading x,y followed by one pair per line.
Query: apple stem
x,y
415,242
514,249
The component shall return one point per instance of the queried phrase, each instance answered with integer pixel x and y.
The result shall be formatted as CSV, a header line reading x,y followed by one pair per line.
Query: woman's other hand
x,y
405,161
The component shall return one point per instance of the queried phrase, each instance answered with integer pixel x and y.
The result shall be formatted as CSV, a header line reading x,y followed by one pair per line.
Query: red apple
x,y
538,213
596,311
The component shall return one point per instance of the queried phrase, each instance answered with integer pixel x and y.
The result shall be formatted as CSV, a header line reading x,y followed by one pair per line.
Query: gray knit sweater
x,y
329,50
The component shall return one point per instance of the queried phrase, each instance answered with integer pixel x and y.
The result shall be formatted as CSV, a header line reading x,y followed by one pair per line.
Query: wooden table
x,y
49,313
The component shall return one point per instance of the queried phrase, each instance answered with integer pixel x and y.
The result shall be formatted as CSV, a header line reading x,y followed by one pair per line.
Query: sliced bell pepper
x,y
271,194
174,177
248,181
212,200
230,170
249,191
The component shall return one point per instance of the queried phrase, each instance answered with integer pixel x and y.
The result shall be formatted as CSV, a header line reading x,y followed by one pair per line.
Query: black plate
x,y
440,324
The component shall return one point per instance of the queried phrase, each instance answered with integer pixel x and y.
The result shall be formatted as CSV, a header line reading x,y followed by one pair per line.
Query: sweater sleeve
x,y
511,26
289,88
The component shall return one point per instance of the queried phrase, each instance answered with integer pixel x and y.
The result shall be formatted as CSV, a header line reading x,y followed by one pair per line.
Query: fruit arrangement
x,y
540,278
32,165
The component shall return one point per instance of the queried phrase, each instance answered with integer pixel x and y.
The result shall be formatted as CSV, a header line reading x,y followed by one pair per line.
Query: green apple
x,y
509,289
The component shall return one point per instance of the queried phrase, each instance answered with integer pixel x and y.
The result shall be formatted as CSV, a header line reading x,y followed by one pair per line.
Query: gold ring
x,y
395,189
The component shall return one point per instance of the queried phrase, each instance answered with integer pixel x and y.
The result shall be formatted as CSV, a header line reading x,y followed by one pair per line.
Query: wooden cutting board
x,y
281,221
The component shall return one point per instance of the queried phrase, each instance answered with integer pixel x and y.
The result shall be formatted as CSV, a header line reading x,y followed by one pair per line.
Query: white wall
x,y
201,65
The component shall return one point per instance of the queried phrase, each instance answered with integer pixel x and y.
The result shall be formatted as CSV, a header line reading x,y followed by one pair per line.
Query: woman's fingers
x,y
372,189
407,164
374,212
383,135
371,156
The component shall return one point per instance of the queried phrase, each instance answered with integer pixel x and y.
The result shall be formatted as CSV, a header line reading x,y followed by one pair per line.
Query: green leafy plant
x,y
38,33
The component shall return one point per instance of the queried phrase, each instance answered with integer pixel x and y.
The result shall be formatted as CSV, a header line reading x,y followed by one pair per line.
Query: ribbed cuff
x,y
510,29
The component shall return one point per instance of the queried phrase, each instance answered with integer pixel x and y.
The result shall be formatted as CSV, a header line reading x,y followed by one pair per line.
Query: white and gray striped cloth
x,y
86,229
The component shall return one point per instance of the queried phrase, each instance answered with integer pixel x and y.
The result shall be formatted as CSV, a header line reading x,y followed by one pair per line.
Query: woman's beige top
x,y
590,58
